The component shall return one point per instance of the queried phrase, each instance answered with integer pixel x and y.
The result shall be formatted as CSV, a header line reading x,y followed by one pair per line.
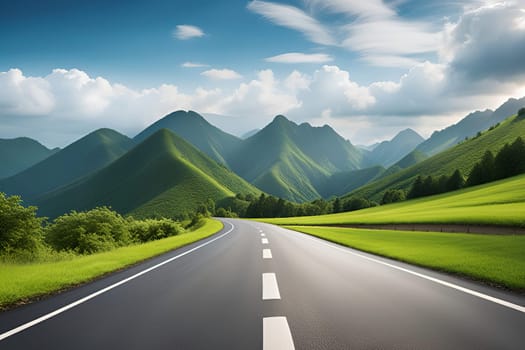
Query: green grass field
x,y
498,260
21,282
496,203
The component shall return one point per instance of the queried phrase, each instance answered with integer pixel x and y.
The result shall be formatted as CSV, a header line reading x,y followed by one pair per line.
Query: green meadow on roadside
x,y
22,281
494,259
496,203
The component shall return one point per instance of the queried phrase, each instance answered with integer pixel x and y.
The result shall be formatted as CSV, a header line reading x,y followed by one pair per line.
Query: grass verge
x,y
22,282
496,260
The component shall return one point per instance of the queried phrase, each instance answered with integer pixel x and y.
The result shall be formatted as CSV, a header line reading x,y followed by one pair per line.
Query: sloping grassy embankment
x,y
22,282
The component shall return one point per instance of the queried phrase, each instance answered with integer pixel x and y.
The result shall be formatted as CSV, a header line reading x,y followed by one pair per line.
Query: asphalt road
x,y
256,286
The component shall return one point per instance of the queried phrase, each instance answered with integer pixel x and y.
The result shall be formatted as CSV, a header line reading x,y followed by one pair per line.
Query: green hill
x,y
162,176
462,157
192,127
389,152
496,203
292,161
19,154
90,153
469,126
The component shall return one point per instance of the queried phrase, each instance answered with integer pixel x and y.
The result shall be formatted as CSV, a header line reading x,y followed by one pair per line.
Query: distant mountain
x,y
291,161
19,154
469,126
368,147
90,153
389,152
250,133
192,127
162,176
347,181
462,157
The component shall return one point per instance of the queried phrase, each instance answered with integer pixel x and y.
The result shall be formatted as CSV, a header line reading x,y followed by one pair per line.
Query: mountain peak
x,y
281,119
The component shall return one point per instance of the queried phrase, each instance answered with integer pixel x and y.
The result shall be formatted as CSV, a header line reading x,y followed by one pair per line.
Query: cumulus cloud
x,y
24,96
293,18
332,92
298,57
185,32
487,43
221,74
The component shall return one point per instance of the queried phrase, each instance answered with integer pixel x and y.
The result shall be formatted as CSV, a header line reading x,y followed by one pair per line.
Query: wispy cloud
x,y
221,74
194,65
362,9
293,18
185,32
298,57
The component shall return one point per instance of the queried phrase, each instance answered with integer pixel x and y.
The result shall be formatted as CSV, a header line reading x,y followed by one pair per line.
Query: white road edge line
x,y
270,290
432,279
267,254
264,240
104,290
276,334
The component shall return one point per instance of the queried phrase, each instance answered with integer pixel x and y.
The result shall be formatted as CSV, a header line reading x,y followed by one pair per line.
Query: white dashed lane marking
x,y
276,334
270,290
267,254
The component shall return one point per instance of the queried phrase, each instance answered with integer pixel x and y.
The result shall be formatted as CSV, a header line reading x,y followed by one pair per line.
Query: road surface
x,y
258,286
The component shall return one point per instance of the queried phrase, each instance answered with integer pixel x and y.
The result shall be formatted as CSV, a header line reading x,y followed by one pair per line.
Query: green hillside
x,y
497,203
462,157
19,154
469,126
292,161
163,176
90,153
192,127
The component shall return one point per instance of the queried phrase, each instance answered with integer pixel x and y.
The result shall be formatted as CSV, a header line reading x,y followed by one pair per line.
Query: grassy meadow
x,y
497,203
497,260
21,282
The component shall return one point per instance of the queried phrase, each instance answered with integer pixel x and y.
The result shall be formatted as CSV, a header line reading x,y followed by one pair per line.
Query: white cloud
x,y
221,74
24,96
185,32
293,18
260,98
194,65
297,57
487,43
364,9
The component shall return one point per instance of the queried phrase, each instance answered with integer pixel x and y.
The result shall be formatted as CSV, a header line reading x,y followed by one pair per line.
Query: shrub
x,y
393,196
88,232
20,228
152,229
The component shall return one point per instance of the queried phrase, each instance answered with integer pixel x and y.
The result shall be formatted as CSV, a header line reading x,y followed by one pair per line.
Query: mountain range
x,y
182,161
19,154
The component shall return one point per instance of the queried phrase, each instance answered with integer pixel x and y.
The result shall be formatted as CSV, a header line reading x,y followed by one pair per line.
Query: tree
x,y
417,189
337,206
521,112
455,182
20,228
393,196
484,171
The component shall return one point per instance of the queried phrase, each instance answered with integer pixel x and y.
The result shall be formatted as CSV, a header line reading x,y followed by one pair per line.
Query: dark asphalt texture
x,y
211,298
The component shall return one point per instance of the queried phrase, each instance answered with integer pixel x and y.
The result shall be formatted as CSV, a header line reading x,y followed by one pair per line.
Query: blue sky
x,y
368,68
